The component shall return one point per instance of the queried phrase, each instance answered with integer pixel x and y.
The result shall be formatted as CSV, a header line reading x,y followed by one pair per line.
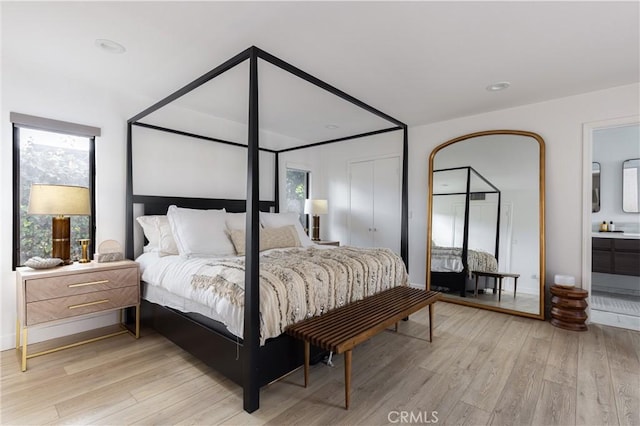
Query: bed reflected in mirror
x,y
486,221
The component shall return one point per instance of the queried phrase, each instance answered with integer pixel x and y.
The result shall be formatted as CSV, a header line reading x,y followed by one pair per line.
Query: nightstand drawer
x,y
65,307
76,284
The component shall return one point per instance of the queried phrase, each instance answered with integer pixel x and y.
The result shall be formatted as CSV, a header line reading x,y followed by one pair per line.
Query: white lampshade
x,y
316,207
59,200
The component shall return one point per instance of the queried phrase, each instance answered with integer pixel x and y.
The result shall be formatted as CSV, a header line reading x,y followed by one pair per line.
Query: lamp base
x,y
315,229
60,238
84,243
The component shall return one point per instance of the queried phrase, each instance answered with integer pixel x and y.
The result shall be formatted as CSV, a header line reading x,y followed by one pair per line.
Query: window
x,y
297,192
49,152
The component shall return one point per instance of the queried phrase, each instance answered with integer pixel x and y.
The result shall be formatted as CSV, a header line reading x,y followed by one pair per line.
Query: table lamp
x,y
61,201
316,208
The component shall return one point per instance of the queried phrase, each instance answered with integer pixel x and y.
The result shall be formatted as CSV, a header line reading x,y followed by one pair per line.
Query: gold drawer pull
x,y
89,283
82,305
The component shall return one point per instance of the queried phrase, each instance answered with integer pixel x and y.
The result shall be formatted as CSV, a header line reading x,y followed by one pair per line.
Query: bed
x,y
252,358
451,267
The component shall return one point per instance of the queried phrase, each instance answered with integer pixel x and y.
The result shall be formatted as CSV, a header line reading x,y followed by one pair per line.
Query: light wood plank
x,y
465,414
517,402
620,351
218,413
562,366
595,401
626,389
487,385
556,406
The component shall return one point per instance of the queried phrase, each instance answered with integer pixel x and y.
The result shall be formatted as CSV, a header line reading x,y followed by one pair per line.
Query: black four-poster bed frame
x,y
456,281
242,360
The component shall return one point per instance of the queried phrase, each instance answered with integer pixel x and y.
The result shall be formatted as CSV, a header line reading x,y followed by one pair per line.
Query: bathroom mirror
x,y
486,221
595,187
631,186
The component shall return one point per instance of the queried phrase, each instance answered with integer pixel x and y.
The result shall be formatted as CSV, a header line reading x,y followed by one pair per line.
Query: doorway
x,y
610,271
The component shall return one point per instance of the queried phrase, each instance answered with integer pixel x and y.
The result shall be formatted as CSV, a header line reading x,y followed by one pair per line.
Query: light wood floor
x,y
482,368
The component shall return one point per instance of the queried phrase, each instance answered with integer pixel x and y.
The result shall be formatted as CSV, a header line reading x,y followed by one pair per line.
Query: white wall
x,y
559,122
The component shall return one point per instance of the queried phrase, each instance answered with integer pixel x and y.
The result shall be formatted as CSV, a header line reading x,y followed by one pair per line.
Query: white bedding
x,y
210,287
168,283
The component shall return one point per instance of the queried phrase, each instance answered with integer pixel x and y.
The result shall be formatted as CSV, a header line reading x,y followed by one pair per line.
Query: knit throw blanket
x,y
299,283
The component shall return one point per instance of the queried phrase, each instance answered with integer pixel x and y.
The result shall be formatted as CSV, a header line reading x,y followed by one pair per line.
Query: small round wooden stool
x,y
568,307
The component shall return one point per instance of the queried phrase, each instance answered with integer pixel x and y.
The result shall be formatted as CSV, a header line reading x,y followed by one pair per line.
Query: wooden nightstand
x,y
327,243
49,296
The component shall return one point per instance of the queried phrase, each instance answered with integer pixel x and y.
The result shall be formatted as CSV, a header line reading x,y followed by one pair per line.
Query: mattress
x,y
296,283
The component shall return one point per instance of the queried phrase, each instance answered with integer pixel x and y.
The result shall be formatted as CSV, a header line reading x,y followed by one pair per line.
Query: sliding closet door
x,y
361,204
387,203
375,203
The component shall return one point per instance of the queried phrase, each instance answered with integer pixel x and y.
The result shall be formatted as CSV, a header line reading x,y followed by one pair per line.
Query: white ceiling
x,y
420,62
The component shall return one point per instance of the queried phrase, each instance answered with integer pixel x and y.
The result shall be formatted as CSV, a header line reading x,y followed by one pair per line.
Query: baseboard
x,y
39,334
615,320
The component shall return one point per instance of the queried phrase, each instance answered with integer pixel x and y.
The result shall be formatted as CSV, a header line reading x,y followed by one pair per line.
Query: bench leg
x,y
306,363
347,378
515,286
499,289
475,292
431,308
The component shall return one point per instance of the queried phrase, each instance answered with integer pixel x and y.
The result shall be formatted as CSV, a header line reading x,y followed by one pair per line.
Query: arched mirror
x,y
486,221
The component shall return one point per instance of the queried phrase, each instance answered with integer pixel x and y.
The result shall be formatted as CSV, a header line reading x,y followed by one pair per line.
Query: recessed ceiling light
x,y
110,46
496,87
332,126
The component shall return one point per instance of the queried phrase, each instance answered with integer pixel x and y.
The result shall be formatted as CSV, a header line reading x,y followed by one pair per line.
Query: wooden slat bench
x,y
497,276
342,329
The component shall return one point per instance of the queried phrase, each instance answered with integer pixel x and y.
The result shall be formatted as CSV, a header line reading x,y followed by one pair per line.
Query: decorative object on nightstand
x,y
316,208
109,251
42,263
47,297
61,201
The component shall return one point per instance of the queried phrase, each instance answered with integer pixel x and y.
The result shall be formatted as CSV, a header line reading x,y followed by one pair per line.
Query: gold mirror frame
x,y
541,177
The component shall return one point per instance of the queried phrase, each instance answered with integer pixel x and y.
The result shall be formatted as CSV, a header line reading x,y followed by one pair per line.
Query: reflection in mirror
x,y
595,187
631,186
486,218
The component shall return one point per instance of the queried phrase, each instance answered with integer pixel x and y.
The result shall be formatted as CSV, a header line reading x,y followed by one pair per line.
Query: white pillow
x,y
277,220
151,232
167,244
200,233
158,232
236,221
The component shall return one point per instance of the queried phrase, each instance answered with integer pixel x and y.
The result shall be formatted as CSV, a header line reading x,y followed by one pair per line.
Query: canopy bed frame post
x,y
498,226
251,345
404,226
465,236
276,187
129,249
